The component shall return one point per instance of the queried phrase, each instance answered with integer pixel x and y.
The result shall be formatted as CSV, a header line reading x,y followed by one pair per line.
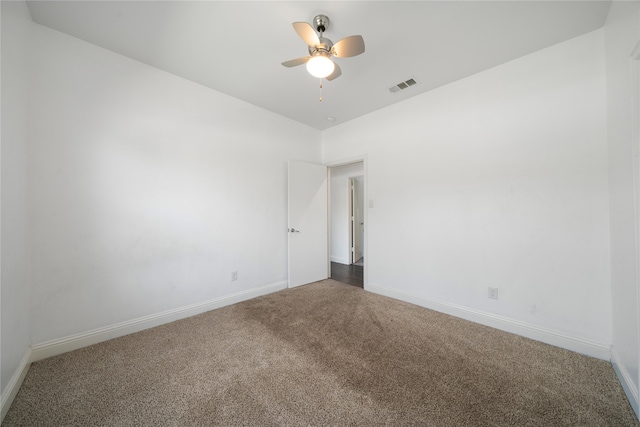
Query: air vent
x,y
402,85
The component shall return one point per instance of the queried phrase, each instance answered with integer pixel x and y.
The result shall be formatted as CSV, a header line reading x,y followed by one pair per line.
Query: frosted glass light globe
x,y
320,66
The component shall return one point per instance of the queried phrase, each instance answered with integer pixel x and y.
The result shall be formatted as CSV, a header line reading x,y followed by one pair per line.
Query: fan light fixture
x,y
321,49
320,66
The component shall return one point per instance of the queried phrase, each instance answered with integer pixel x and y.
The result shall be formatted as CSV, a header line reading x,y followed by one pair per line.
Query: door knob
x,y
293,230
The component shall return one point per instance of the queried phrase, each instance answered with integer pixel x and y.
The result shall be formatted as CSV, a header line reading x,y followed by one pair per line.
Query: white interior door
x,y
308,250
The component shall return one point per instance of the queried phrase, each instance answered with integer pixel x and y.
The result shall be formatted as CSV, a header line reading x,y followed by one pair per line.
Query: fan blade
x,y
296,62
336,73
306,33
348,46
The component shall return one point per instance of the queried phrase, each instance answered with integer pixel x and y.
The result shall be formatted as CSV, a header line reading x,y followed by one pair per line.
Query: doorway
x,y
346,212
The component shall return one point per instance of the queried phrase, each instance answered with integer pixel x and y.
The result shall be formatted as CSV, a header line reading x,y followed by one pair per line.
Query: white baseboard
x,y
14,384
340,260
84,339
558,339
625,379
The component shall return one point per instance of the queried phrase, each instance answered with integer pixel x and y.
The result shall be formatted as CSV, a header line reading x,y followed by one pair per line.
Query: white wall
x,y
15,290
497,180
622,32
148,190
340,198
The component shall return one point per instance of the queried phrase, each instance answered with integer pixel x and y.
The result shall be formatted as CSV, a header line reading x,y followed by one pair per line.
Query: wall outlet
x,y
234,276
493,293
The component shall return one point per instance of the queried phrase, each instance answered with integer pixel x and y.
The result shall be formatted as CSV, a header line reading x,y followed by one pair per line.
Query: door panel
x,y
308,251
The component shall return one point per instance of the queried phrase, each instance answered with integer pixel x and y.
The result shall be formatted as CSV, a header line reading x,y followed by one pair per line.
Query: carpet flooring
x,y
321,354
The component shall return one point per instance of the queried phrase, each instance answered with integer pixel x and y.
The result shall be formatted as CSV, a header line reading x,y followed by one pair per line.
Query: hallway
x,y
350,274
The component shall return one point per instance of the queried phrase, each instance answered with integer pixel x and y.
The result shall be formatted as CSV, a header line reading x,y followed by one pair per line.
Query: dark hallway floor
x,y
350,274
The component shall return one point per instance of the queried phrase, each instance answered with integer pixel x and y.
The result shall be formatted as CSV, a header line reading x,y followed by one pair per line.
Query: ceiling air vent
x,y
402,85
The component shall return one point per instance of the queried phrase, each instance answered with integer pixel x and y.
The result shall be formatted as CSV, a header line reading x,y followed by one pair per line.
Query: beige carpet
x,y
322,354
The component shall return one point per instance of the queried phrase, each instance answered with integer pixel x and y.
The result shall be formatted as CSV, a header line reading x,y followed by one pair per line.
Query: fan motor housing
x,y
324,45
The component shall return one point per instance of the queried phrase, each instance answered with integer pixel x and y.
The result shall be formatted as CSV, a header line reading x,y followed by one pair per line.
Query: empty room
x,y
320,213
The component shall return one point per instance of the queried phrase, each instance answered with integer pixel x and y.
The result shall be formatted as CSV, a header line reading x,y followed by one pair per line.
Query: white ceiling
x,y
236,47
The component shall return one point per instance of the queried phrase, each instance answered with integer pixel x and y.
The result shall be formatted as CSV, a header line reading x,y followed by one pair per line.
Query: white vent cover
x,y
402,85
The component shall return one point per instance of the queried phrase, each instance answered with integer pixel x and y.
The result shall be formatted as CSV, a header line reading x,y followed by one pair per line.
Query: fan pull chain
x,y
320,90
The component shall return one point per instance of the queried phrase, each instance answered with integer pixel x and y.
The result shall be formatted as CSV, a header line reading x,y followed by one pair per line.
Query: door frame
x,y
365,191
635,135
354,242
352,221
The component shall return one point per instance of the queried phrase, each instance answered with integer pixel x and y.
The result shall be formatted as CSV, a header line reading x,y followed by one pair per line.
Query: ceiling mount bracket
x,y
321,23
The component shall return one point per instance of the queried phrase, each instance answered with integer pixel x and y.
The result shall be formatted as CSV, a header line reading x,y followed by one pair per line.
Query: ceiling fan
x,y
321,49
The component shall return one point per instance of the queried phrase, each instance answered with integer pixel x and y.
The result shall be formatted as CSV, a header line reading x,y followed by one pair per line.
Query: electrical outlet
x,y
234,275
493,293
